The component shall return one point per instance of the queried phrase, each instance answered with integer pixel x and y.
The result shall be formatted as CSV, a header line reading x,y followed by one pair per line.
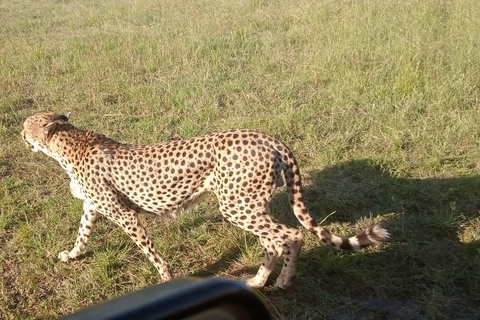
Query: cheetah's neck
x,y
72,147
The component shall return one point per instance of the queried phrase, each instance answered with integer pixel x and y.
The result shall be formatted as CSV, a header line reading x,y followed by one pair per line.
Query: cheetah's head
x,y
39,128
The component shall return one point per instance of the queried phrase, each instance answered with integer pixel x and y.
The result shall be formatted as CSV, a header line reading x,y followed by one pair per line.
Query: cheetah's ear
x,y
63,117
49,128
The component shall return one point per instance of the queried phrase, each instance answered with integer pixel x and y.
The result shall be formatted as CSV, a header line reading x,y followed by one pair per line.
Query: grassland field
x,y
378,99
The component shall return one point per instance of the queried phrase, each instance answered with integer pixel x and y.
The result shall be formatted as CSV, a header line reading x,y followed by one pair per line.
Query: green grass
x,y
379,100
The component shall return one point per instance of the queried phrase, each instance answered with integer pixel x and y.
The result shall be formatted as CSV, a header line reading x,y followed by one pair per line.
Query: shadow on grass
x,y
223,264
430,268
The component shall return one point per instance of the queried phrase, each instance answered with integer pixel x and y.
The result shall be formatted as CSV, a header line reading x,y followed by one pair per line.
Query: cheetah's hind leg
x,y
271,253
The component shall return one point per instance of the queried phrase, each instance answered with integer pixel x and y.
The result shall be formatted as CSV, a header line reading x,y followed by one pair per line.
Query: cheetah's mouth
x,y
28,144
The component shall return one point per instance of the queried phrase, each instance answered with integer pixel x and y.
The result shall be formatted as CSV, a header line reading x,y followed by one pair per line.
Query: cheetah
x,y
241,167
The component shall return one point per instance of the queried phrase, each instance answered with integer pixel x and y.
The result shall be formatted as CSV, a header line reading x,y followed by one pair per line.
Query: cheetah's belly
x,y
173,202
76,191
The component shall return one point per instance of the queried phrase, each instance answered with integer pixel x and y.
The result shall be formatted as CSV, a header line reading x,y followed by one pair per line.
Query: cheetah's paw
x,y
250,281
63,256
282,283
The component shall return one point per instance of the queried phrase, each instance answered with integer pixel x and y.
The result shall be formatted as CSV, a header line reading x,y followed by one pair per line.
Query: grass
x,y
379,100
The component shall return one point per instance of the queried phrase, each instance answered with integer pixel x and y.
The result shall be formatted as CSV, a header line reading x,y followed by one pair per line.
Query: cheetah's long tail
x,y
374,234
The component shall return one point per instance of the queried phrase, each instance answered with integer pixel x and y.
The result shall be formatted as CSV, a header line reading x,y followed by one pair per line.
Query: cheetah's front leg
x,y
127,218
139,235
87,223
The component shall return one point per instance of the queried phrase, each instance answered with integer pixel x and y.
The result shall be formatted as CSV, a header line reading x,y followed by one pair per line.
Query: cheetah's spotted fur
x,y
241,167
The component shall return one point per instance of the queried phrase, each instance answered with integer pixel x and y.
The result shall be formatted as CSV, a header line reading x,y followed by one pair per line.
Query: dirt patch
x,y
25,103
382,308
396,308
111,99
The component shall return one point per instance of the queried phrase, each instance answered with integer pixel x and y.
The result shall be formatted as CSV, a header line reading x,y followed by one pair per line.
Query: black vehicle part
x,y
187,299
